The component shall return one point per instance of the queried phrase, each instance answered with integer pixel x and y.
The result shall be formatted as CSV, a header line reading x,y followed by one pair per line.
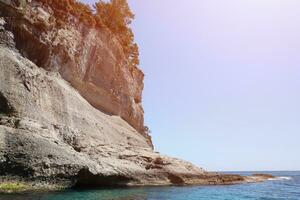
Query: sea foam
x,y
281,178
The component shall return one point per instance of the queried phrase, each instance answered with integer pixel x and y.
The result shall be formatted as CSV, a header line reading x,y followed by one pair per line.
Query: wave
x,y
281,178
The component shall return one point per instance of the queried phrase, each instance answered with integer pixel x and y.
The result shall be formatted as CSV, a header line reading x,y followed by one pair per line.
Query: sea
x,y
286,186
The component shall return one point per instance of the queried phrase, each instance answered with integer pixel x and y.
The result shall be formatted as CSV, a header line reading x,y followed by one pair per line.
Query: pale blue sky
x,y
222,86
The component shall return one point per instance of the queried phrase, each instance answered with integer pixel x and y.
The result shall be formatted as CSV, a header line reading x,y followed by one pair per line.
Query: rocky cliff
x,y
90,59
70,107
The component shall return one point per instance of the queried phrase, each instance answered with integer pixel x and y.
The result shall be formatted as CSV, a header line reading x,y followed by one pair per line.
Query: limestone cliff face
x,y
70,106
49,132
92,60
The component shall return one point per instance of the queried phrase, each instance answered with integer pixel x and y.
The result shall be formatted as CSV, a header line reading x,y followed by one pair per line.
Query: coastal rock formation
x,y
70,108
48,131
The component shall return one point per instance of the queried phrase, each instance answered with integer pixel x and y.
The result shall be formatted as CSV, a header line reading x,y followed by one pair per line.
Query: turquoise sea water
x,y
286,187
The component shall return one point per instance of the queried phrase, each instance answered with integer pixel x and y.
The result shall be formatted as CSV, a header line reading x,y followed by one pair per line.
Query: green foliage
x,y
10,187
114,15
63,8
117,16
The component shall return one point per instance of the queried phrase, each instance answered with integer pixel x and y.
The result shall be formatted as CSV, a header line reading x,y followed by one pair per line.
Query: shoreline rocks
x,y
15,185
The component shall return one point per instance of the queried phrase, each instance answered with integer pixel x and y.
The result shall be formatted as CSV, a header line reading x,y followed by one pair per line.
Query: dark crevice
x,y
32,49
5,108
12,167
176,180
26,35
86,179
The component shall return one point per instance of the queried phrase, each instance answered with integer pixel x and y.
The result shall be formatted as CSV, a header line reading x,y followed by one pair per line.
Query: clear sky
x,y
222,86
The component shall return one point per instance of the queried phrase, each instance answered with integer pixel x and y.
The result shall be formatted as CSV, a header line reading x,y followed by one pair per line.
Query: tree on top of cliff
x,y
62,8
117,16
114,15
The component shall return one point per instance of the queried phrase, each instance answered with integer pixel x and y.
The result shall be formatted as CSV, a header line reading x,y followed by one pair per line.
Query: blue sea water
x,y
285,187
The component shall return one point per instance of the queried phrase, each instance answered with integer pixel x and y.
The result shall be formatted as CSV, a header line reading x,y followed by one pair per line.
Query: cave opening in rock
x,y
86,179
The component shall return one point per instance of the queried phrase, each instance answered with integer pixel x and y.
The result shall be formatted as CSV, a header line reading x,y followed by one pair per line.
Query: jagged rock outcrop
x,y
49,130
